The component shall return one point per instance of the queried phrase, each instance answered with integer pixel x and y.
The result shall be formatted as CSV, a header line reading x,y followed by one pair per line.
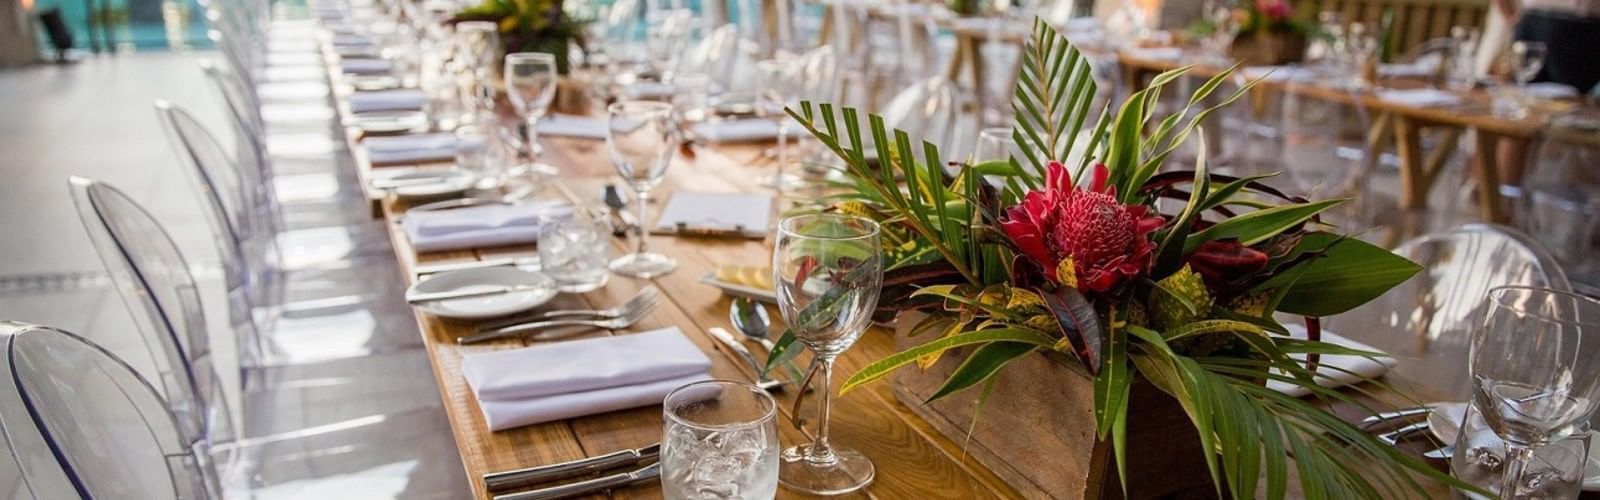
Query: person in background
x,y
1571,30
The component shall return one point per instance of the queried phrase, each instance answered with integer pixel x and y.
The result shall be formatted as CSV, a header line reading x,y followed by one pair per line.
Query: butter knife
x,y
1388,416
427,269
421,298
513,479
581,488
727,339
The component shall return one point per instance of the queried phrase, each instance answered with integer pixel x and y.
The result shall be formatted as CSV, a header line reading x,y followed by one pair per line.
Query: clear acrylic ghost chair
x,y
316,419
932,110
1432,314
1325,153
1560,201
254,247
84,424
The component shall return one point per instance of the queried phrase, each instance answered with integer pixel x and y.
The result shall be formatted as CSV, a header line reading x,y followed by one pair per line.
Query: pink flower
x,y
1275,10
1106,240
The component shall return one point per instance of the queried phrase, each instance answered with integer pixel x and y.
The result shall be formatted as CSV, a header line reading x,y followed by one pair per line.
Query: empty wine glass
x,y
828,269
777,85
531,86
1527,60
642,137
1535,365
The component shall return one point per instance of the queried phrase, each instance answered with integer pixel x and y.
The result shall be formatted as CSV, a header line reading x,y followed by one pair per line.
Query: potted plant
x,y
1126,341
1269,34
537,26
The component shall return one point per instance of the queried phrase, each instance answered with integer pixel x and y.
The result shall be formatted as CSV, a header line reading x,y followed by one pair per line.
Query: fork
x,y
624,321
646,298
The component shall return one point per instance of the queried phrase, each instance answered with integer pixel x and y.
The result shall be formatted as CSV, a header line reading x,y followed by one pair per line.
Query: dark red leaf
x,y
1079,324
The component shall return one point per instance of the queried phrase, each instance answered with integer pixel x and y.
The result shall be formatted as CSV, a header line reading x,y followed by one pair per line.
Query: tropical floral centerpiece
x,y
1085,245
529,26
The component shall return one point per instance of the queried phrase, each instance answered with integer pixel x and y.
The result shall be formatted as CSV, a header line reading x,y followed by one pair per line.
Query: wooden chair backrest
x,y
1416,21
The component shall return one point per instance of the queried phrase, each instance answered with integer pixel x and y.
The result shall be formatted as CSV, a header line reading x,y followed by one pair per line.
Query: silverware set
x,y
1396,435
621,316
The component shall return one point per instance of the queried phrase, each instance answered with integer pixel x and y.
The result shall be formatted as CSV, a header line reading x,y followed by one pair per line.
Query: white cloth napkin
x,y
1424,97
417,148
1277,73
363,66
723,211
387,100
582,377
480,226
1551,90
1336,371
1407,70
747,130
573,126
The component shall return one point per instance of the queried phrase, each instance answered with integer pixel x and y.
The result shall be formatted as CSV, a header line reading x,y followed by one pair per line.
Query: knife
x,y
607,483
513,479
1393,438
475,264
726,338
1383,417
420,298
1441,453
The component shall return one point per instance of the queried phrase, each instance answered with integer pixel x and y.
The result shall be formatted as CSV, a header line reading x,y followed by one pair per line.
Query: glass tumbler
x,y
475,154
575,248
720,441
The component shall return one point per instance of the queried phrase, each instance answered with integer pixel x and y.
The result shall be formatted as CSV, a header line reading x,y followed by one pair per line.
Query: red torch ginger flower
x,y
1275,10
1105,241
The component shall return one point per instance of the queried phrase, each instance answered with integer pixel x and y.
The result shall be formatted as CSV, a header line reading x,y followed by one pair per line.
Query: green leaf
x,y
783,351
883,367
1054,92
1258,226
982,364
1169,253
1111,389
1350,273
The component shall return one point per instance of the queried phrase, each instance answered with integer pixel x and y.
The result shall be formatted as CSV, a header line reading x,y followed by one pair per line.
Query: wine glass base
x,y
643,265
849,471
544,169
783,182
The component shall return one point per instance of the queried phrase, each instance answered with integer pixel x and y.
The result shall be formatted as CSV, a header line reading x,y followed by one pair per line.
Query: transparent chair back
x,y
104,429
153,279
1324,148
713,55
931,111
1560,202
1431,316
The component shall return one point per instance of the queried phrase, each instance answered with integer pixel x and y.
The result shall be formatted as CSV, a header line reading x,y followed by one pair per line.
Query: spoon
x,y
752,320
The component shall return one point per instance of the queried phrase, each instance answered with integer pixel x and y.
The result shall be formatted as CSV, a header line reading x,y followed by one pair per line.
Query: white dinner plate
x,y
492,306
1445,422
389,122
432,184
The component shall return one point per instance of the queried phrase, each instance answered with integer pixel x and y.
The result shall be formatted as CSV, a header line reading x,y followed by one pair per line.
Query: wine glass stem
x,y
1517,457
643,202
533,138
821,451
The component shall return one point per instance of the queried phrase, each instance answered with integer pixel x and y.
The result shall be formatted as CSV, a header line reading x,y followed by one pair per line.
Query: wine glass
x,y
1527,60
828,269
642,137
1535,365
777,84
531,80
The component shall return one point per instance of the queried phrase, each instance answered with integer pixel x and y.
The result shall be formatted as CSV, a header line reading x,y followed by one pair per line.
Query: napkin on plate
x,y
582,127
1424,97
386,100
364,66
1336,371
582,377
747,130
716,211
414,148
480,226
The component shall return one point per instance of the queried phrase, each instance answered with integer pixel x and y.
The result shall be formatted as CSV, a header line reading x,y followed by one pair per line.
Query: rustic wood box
x,y
1037,429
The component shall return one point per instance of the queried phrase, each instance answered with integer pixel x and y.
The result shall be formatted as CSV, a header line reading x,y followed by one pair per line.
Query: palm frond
x,y
1054,93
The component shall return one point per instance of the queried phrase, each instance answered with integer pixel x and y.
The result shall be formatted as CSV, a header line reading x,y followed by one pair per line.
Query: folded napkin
x,y
1156,53
387,100
1424,98
747,130
1336,371
719,211
1551,90
1407,70
362,66
647,90
1277,73
416,148
480,226
582,377
573,126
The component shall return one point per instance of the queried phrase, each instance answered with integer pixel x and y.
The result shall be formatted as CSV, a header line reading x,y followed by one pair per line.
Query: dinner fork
x,y
625,321
646,298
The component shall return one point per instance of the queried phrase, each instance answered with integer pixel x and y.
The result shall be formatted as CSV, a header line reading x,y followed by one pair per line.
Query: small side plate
x,y
493,306
736,290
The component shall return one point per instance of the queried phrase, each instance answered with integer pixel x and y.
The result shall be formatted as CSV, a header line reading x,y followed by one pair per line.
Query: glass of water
x,y
576,247
475,153
1554,471
720,441
1535,365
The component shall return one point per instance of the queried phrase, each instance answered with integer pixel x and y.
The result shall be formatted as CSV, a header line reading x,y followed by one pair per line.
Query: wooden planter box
x,y
1037,429
1269,49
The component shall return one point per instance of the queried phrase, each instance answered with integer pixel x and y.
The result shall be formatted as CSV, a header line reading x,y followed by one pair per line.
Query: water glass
x,y
1535,365
1555,471
691,97
531,80
1527,60
575,247
720,441
475,153
642,138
